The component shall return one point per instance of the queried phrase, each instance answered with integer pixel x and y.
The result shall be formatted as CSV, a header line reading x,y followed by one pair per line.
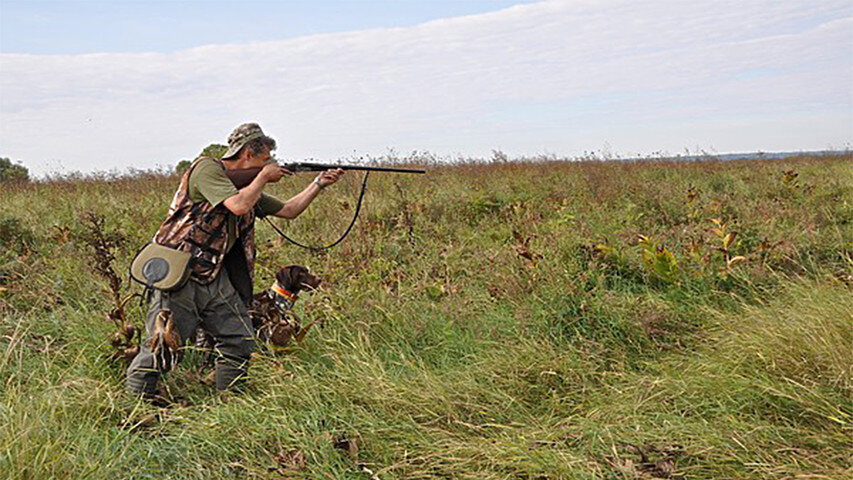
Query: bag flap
x,y
163,268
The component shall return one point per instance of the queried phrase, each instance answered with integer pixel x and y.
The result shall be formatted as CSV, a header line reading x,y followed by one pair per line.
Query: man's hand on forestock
x,y
328,177
273,172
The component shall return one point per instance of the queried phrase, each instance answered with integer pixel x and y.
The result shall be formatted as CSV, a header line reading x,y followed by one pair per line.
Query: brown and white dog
x,y
270,310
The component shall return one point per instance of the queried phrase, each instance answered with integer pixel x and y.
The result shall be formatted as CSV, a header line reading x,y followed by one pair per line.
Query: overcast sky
x,y
109,85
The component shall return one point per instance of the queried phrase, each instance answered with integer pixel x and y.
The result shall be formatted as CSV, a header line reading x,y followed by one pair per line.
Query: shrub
x,y
214,150
182,166
13,172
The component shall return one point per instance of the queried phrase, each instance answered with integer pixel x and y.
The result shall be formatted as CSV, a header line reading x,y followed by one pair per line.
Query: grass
x,y
485,321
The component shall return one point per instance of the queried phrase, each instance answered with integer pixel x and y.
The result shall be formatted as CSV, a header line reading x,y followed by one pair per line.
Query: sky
x,y
93,85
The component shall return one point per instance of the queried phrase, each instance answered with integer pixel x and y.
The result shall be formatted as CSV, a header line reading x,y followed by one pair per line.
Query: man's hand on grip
x,y
273,172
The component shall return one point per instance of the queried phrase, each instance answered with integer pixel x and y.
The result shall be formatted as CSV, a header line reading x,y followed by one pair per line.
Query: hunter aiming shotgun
x,y
242,177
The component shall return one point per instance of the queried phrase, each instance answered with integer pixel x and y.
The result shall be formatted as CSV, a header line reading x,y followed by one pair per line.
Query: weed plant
x,y
492,320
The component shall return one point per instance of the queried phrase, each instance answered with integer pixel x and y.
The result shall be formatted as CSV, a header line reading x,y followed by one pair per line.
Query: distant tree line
x,y
13,172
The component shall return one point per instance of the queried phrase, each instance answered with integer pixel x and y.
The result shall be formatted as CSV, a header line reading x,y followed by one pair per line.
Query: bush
x,y
13,172
214,150
182,166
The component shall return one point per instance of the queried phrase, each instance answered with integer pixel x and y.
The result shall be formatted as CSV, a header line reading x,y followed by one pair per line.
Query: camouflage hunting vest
x,y
202,229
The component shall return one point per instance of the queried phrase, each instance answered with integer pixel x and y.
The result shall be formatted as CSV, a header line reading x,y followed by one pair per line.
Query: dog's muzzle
x,y
282,298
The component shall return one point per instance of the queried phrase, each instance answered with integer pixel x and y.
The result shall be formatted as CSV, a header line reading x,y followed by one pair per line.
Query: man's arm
x,y
246,198
299,202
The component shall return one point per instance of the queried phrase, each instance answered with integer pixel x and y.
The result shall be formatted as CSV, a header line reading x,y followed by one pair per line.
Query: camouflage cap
x,y
242,135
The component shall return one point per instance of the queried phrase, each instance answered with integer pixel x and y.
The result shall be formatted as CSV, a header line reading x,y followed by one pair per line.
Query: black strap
x,y
165,300
339,240
235,266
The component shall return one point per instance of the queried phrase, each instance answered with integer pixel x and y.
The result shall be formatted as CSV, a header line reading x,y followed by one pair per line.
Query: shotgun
x,y
242,177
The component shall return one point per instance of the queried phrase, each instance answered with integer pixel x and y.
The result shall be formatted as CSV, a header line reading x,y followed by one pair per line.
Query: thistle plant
x,y
103,245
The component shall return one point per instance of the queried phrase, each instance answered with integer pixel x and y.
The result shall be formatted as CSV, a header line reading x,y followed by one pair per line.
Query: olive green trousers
x,y
215,307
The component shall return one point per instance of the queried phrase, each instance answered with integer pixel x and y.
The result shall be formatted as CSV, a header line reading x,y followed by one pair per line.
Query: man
x,y
214,221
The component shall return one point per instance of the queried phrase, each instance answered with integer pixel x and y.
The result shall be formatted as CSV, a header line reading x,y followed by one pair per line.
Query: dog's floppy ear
x,y
284,277
296,278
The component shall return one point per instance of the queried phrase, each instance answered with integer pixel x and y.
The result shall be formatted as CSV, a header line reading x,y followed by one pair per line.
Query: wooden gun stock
x,y
242,177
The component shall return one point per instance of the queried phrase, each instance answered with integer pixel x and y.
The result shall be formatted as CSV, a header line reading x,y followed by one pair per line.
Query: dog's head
x,y
295,278
289,281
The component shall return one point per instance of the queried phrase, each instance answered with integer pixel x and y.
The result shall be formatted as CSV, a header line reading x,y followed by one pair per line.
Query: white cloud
x,y
555,76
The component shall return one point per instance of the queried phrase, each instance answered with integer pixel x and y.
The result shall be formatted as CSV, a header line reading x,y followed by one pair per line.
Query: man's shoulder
x,y
205,168
208,181
208,163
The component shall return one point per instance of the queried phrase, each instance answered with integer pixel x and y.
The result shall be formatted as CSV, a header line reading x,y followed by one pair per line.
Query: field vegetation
x,y
494,320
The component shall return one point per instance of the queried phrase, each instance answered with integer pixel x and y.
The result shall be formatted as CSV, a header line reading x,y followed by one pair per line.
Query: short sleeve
x,y
268,205
209,182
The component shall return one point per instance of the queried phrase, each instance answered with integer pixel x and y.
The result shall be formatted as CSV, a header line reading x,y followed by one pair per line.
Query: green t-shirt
x,y
208,182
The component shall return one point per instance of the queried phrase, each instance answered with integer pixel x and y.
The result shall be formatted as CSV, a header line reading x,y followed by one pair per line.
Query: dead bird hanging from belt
x,y
165,342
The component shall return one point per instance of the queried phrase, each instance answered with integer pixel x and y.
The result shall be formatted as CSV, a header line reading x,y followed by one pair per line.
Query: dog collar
x,y
283,299
283,292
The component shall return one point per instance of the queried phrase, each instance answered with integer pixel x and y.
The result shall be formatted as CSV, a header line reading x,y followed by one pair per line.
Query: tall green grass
x,y
486,321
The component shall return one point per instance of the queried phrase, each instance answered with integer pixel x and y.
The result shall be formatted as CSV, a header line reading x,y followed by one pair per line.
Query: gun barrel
x,y
320,167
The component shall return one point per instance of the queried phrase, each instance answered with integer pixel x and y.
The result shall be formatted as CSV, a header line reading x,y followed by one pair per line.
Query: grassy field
x,y
541,320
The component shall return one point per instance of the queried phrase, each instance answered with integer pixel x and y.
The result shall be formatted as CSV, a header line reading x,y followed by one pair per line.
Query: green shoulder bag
x,y
161,268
